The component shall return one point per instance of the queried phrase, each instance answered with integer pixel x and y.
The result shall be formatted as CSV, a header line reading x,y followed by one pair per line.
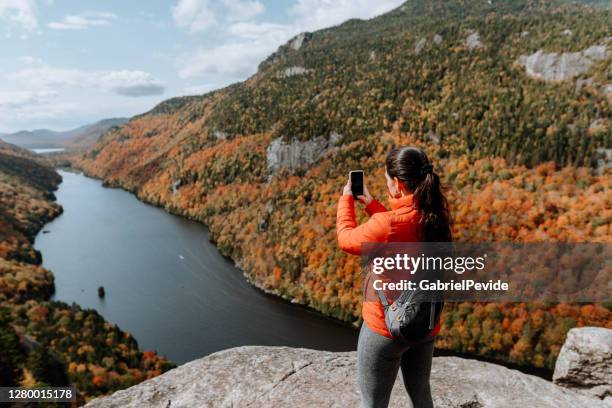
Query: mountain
x,y
89,135
511,100
78,139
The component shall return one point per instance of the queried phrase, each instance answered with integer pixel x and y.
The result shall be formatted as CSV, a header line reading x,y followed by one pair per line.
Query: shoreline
x,y
540,372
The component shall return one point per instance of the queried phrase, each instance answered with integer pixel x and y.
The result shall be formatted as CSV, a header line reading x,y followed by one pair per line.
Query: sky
x,y
66,63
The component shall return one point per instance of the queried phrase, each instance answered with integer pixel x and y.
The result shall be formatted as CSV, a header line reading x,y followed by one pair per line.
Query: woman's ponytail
x,y
411,166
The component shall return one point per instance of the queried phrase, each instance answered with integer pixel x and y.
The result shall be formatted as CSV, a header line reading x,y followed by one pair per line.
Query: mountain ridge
x,y
518,155
80,137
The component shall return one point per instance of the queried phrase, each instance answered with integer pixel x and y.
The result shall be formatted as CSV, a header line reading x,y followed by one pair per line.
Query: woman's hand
x,y
366,198
347,188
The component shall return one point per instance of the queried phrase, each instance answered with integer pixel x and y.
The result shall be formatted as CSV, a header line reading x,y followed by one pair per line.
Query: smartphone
x,y
356,177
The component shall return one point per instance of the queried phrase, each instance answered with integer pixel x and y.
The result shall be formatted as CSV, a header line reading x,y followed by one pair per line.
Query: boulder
x,y
585,362
258,376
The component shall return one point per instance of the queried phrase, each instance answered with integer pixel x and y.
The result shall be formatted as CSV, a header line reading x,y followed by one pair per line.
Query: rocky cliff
x,y
284,377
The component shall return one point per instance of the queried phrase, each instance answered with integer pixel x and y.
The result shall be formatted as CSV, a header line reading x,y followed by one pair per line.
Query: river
x,y
164,281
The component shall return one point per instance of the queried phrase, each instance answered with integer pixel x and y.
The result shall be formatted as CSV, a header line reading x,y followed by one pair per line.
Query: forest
x,y
43,342
522,158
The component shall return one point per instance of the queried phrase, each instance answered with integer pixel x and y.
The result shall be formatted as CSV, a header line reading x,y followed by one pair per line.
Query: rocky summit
x,y
257,376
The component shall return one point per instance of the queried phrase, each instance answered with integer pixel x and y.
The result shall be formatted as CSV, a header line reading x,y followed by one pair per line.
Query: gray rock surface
x,y
581,83
295,154
291,71
297,41
604,160
285,377
585,362
418,47
561,66
599,125
219,135
472,41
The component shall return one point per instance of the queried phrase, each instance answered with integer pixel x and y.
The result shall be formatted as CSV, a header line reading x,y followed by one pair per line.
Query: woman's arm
x,y
350,236
374,207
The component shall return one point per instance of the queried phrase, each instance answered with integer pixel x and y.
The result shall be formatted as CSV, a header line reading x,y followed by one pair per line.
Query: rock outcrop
x,y
296,42
286,377
296,154
418,47
561,66
291,71
585,362
472,41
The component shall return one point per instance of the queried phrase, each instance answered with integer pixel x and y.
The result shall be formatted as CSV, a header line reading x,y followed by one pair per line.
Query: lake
x,y
46,150
165,282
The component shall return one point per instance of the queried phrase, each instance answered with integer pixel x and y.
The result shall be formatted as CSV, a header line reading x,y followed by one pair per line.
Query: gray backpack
x,y
412,316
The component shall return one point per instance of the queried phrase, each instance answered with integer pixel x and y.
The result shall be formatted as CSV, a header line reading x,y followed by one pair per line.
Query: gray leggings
x,y
378,361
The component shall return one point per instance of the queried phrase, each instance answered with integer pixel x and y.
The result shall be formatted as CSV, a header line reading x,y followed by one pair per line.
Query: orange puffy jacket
x,y
398,225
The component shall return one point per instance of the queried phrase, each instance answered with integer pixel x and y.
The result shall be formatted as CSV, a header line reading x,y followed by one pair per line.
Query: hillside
x,y
511,101
78,139
50,342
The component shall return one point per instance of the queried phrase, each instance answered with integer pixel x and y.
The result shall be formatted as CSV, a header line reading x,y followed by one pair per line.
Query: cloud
x,y
18,15
316,14
238,58
83,21
20,99
130,83
196,15
121,82
243,10
200,89
29,60
199,15
249,42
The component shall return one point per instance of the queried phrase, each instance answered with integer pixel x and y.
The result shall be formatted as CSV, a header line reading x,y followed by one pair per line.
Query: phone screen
x,y
356,182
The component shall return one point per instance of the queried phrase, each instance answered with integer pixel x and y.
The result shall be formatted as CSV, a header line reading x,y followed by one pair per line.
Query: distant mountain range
x,y
75,139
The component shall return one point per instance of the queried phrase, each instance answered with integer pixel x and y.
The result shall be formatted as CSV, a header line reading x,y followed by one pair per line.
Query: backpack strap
x,y
382,298
432,312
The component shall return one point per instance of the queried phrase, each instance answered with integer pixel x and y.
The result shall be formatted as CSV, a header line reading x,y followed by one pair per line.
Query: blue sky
x,y
65,63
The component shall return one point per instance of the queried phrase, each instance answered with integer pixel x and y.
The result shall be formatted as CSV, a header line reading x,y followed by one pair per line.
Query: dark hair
x,y
411,166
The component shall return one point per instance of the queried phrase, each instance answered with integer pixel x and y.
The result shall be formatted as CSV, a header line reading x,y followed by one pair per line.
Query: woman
x,y
419,212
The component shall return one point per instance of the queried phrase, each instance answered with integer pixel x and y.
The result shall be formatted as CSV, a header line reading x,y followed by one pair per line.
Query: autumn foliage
x,y
44,342
518,156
